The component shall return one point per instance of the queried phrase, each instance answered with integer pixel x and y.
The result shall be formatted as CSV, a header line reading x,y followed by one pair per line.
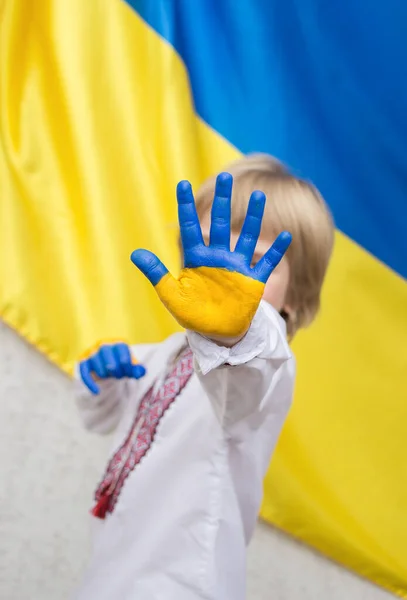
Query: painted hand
x,y
217,292
113,361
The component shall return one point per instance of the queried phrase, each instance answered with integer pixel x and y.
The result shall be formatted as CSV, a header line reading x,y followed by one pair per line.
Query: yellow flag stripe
x,y
338,479
88,168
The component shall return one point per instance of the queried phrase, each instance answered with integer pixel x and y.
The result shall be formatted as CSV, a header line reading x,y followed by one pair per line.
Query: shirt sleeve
x,y
102,413
251,378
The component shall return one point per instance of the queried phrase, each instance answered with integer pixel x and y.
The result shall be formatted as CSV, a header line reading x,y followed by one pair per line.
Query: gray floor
x,y
49,467
281,569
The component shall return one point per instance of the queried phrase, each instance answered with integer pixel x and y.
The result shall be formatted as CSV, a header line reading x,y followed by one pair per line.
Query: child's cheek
x,y
275,291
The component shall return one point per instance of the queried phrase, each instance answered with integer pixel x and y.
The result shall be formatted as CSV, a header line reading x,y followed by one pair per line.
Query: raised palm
x,y
217,292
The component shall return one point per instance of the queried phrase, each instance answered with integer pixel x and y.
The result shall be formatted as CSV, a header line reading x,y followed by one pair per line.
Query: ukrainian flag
x,y
105,105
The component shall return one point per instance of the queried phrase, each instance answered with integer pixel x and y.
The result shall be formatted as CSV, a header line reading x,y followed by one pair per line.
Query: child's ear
x,y
289,315
287,312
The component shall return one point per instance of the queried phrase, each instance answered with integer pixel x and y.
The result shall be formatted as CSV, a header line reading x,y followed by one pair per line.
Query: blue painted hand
x,y
217,292
114,361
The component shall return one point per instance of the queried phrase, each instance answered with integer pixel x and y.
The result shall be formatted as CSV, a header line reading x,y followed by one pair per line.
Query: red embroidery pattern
x,y
141,435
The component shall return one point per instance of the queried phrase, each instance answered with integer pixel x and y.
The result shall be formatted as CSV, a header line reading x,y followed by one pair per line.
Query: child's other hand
x,y
217,292
109,361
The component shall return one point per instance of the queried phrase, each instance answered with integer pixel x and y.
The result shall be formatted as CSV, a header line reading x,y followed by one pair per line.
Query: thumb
x,y
137,371
150,265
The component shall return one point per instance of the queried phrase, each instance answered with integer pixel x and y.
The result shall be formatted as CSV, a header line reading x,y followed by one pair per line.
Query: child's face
x,y
275,291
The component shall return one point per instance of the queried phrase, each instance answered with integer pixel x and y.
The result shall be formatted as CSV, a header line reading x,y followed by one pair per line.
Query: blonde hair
x,y
294,205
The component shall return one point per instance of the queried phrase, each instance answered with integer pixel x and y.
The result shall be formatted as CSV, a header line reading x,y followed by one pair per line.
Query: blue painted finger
x,y
123,356
270,260
112,365
138,371
220,214
97,365
85,372
190,228
149,264
249,235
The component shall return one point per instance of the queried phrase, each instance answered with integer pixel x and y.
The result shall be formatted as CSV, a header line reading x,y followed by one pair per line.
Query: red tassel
x,y
101,508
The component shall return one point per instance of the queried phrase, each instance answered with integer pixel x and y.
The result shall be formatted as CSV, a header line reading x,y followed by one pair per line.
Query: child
x,y
195,431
